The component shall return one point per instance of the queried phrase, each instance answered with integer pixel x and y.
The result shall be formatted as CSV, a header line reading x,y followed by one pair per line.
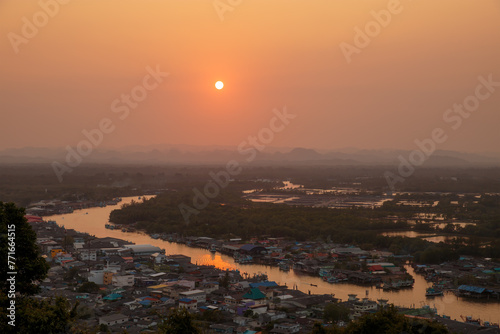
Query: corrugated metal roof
x,y
249,247
264,284
470,288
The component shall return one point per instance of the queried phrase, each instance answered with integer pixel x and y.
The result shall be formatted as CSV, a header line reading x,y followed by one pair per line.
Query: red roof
x,y
376,268
33,219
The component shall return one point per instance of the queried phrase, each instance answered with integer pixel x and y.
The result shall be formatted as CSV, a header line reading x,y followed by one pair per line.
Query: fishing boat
x,y
213,249
432,292
471,320
333,280
284,266
490,324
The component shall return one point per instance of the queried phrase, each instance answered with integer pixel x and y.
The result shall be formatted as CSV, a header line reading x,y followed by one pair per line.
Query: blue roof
x,y
113,296
471,288
185,300
264,284
254,293
145,302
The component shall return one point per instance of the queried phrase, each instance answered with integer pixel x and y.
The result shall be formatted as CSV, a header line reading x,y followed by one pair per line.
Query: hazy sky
x,y
64,77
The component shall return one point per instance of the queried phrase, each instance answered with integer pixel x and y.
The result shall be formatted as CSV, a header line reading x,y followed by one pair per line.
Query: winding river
x,y
92,221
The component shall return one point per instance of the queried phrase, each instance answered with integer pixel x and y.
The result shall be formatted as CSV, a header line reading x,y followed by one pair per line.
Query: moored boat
x,y
432,292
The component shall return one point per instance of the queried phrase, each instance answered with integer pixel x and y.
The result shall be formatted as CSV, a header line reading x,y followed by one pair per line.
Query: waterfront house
x,y
143,250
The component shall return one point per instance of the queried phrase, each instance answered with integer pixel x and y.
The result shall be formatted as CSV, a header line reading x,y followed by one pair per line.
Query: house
x,y
209,287
182,260
199,295
107,278
61,257
256,295
252,250
220,328
158,258
113,297
87,255
190,304
364,306
143,250
286,327
97,276
122,280
113,319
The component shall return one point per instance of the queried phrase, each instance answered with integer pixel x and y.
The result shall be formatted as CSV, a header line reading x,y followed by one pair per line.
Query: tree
x,y
68,242
34,316
72,274
179,321
389,321
319,329
89,287
224,282
19,241
335,312
104,328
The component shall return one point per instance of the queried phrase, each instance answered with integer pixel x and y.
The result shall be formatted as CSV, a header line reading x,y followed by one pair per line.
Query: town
x,y
123,286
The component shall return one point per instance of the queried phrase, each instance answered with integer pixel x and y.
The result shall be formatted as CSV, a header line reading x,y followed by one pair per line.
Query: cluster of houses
x,y
467,277
125,286
56,206
334,263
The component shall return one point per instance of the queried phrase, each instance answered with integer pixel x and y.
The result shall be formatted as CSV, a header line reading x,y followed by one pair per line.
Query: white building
x,y
97,276
288,327
113,319
123,280
199,295
143,250
364,306
88,255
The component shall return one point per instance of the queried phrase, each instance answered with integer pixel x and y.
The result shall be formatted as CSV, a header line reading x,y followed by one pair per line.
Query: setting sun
x,y
219,85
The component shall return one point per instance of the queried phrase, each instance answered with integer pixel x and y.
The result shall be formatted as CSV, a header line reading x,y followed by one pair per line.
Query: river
x,y
92,221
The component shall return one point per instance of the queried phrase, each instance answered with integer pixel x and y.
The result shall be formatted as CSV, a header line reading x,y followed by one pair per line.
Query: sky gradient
x,y
269,53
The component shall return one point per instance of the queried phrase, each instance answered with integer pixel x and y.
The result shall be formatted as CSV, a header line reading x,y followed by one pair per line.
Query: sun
x,y
219,85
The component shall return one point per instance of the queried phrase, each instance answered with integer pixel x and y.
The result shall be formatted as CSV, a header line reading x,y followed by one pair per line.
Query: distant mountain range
x,y
163,154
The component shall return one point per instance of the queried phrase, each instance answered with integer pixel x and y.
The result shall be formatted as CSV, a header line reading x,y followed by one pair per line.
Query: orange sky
x,y
269,53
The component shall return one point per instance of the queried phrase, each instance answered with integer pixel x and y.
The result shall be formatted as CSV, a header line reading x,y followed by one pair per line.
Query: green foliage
x,y
29,264
104,328
34,316
319,329
179,321
224,282
335,312
389,321
246,219
89,287
72,274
